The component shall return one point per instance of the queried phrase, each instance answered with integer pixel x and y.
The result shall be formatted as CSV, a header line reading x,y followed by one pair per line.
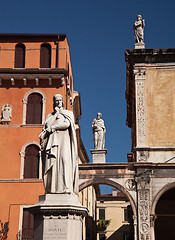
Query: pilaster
x,y
143,189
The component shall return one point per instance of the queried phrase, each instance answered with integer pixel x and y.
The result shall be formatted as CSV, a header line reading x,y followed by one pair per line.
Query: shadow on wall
x,y
121,234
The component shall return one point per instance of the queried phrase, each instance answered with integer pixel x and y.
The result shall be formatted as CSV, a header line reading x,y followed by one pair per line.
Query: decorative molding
x,y
50,81
130,184
142,156
140,106
12,81
25,81
62,81
37,81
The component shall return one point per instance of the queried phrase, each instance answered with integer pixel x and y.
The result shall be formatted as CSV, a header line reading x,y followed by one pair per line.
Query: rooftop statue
x,y
99,130
59,145
138,29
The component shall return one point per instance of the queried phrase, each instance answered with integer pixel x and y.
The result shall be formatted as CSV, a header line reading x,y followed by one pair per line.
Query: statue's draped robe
x,y
99,135
61,163
138,30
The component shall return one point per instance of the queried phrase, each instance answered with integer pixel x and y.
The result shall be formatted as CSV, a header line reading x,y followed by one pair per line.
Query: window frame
x,y
25,100
22,154
22,207
48,45
23,47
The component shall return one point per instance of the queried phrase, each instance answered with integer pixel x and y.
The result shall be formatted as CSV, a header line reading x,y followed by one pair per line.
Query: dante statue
x,y
99,130
138,29
59,145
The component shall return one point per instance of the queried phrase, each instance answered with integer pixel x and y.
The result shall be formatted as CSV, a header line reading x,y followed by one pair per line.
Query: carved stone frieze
x,y
142,156
130,184
140,106
143,181
143,186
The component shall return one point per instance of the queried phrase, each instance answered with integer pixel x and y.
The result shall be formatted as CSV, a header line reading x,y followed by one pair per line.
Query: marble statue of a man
x,y
138,29
99,130
59,145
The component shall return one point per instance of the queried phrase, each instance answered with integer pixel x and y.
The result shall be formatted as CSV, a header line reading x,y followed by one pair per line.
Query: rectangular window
x,y
126,236
27,226
102,236
126,215
101,213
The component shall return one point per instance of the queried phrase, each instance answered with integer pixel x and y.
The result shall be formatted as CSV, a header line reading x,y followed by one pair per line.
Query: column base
x,y
139,45
98,155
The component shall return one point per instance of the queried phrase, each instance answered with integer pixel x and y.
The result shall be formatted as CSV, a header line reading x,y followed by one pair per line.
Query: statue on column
x,y
99,130
59,146
138,29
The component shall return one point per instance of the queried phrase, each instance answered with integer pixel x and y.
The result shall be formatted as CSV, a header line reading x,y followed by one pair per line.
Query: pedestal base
x,y
139,45
58,217
98,155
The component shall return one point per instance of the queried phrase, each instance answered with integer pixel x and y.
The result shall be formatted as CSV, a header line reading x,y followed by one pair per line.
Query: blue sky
x,y
98,33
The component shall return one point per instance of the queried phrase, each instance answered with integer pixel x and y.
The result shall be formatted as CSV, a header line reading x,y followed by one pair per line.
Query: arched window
x,y
20,56
31,161
34,109
34,103
45,56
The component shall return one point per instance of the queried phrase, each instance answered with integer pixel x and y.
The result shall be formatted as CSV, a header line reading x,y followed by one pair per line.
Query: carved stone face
x,y
139,17
98,116
58,102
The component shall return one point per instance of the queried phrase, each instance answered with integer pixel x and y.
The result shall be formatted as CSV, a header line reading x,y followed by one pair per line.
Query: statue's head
x,y
58,101
99,115
139,17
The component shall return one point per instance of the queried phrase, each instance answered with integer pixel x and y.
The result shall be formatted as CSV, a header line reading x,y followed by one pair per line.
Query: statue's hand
x,y
48,130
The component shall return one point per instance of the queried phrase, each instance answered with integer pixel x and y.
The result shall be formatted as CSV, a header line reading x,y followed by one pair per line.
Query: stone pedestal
x,y
58,217
139,45
98,155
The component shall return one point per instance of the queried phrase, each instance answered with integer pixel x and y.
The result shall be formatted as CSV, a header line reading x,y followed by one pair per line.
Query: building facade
x,y
33,68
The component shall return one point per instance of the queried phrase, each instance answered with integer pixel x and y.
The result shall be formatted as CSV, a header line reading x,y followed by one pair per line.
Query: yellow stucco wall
x,y
160,107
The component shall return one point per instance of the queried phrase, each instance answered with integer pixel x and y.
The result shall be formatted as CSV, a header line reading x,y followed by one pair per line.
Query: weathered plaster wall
x,y
160,107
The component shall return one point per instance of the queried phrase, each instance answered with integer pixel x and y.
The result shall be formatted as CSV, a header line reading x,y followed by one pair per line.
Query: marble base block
x,y
139,45
58,217
98,155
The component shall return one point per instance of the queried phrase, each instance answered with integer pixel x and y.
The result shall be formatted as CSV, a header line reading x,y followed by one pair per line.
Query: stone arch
x,y
113,184
22,154
159,194
25,104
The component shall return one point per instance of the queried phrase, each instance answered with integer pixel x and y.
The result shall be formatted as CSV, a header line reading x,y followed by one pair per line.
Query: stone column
x,y
152,226
143,186
135,227
58,217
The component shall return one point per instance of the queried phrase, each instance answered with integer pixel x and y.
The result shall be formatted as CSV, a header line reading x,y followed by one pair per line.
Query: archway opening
x,y
110,213
165,216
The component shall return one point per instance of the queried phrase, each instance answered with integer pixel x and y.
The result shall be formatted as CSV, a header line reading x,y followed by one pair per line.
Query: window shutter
x,y
27,225
20,56
31,162
34,109
45,56
102,213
